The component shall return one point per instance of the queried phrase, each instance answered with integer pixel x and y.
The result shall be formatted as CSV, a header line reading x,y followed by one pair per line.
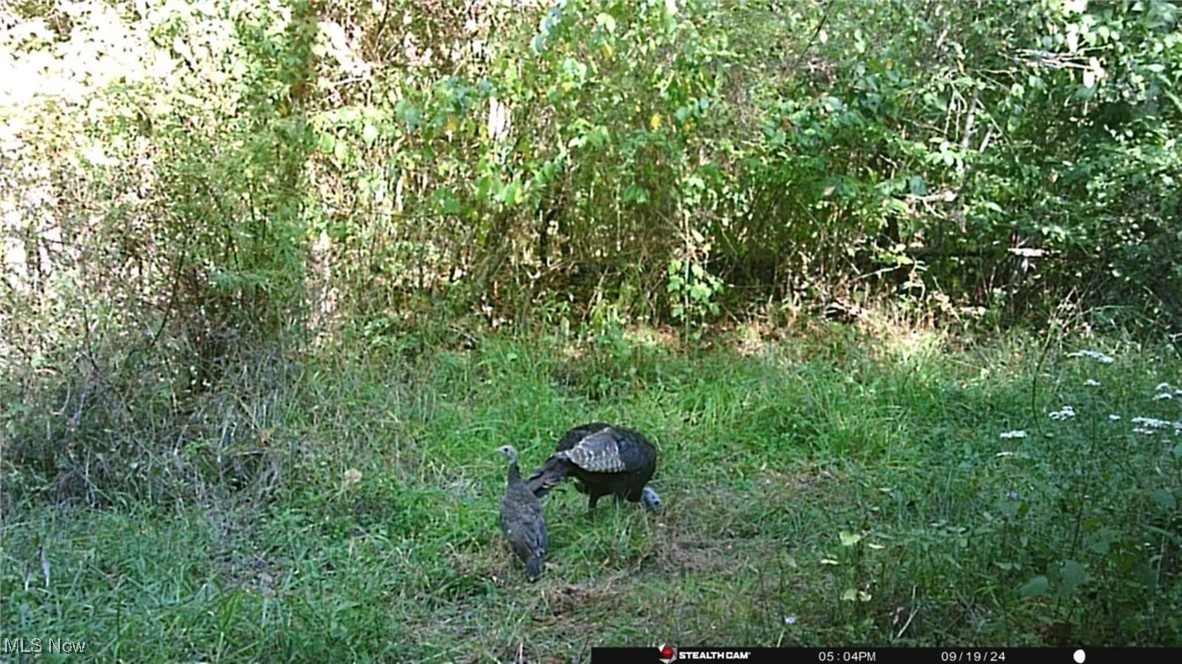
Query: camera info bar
x,y
666,654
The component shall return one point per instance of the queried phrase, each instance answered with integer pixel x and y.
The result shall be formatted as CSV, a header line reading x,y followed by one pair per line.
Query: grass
x,y
843,490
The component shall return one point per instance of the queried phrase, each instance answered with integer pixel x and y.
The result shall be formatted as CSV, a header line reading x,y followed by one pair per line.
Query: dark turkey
x,y
522,519
604,459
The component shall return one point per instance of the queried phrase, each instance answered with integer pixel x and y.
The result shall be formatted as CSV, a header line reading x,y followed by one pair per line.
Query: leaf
x,y
483,186
369,133
452,205
635,194
1023,509
1145,574
896,206
1165,498
1035,587
1073,575
511,194
1009,509
1174,98
409,113
1101,541
849,539
829,561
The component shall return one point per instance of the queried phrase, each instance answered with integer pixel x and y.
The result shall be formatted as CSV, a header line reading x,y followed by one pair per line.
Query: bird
x,y
603,459
522,519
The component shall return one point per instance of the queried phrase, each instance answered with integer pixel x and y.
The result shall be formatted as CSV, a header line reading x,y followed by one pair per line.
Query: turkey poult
x,y
522,519
604,459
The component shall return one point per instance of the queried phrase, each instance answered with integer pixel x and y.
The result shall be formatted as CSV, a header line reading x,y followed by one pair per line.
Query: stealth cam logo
x,y
668,654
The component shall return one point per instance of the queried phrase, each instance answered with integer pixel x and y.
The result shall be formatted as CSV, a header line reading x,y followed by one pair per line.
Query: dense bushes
x,y
644,154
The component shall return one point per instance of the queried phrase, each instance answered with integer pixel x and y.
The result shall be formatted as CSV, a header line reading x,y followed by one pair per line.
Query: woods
x,y
278,165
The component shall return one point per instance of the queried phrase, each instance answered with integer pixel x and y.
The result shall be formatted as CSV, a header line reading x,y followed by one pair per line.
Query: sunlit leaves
x,y
573,74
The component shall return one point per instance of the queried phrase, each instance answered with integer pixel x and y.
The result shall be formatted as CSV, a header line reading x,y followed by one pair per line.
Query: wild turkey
x,y
522,519
604,459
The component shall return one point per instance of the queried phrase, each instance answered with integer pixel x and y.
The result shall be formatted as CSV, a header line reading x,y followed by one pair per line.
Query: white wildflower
x,y
1151,422
1114,417
1163,395
1143,430
789,620
1004,454
1066,413
1093,355
1013,434
1091,382
1162,387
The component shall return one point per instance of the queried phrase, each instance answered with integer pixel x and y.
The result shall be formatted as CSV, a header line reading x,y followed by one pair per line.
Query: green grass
x,y
843,490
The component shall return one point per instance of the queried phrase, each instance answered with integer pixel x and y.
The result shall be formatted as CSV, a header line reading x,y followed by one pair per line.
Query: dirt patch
x,y
698,558
250,573
706,557
577,599
239,557
796,480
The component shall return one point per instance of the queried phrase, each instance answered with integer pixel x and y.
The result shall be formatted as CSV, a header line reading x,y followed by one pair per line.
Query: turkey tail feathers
x,y
548,476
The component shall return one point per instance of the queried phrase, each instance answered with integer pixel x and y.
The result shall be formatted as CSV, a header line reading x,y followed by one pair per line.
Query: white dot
x,y
1079,656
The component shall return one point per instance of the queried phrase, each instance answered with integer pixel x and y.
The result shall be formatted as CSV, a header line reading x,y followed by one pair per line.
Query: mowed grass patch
x,y
836,490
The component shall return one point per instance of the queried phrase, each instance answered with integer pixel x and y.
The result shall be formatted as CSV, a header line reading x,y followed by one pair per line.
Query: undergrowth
x,y
839,490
